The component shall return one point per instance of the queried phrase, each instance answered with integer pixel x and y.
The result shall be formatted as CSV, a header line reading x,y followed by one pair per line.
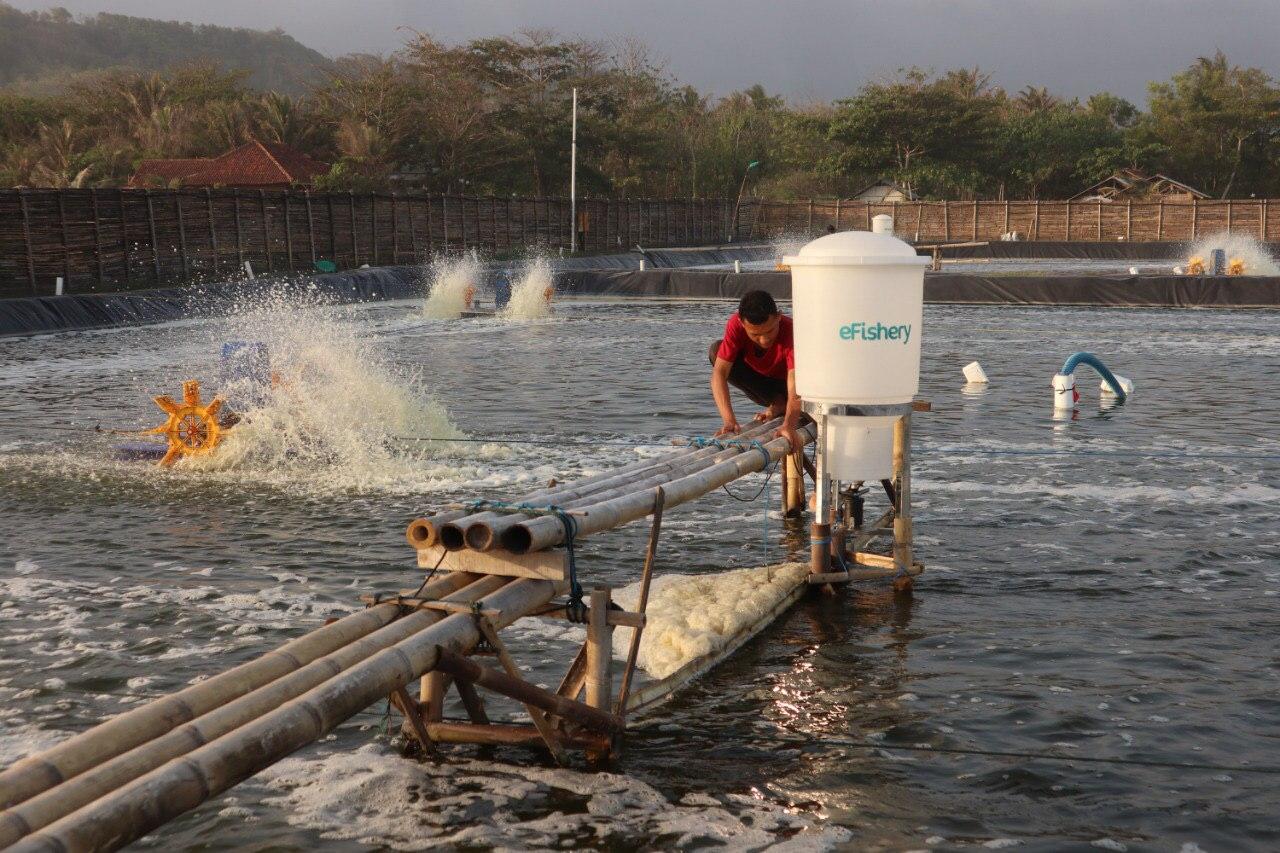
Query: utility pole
x,y
573,179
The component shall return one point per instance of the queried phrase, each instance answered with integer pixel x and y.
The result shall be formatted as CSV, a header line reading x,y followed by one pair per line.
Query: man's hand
x,y
730,428
774,411
788,432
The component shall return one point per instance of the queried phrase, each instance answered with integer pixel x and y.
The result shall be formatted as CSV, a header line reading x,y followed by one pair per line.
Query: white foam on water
x,y
19,740
529,292
691,616
450,279
1257,261
374,796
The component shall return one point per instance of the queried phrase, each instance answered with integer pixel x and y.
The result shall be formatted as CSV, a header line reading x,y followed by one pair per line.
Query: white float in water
x,y
1125,384
974,373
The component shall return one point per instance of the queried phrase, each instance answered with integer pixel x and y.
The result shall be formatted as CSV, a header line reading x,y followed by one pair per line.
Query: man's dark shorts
x,y
762,390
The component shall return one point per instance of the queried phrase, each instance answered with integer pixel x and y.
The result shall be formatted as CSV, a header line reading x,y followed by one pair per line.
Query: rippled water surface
x,y
1098,588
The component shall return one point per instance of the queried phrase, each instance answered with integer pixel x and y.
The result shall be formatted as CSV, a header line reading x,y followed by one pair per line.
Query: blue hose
x,y
1070,365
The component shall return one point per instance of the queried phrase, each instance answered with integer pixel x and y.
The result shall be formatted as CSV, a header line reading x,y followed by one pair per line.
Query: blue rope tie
x,y
751,444
575,610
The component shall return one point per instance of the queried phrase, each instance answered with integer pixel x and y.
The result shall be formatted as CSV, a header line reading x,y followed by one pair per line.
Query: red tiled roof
x,y
152,172
254,164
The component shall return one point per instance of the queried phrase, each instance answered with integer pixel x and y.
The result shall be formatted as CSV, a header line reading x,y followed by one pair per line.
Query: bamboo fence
x,y
1075,221
101,240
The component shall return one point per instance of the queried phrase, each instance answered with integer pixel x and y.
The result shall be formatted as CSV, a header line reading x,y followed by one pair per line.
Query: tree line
x,y
492,116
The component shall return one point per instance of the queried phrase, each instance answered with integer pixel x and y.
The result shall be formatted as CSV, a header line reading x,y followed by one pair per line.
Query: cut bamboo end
x,y
420,533
480,537
453,537
517,539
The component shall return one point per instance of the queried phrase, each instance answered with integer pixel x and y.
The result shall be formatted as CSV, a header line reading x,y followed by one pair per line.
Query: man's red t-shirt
x,y
773,362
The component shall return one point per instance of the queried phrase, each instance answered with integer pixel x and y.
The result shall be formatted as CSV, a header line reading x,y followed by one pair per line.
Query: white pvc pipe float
x,y
248,270
1125,384
642,265
1065,395
974,373
57,287
737,267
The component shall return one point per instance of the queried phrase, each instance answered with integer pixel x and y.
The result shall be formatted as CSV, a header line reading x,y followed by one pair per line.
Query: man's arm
x,y
791,420
720,392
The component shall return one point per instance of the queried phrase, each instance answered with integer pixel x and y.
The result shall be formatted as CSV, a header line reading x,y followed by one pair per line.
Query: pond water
x,y
1100,591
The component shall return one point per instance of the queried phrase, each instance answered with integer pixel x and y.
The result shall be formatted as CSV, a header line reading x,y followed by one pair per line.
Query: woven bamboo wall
x,y
104,240
952,221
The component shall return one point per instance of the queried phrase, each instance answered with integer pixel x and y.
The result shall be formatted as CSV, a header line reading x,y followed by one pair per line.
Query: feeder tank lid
x,y
857,248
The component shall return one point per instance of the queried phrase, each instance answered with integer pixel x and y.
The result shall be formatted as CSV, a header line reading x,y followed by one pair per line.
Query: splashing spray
x,y
531,292
453,287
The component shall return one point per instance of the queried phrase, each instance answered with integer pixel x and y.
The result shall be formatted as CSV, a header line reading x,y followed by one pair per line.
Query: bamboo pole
x,y
66,247
288,232
599,650
642,604
266,230
535,534
902,527
508,735
177,787
213,231
235,197
529,694
355,244
35,774
97,239
311,227
26,240
540,722
63,799
483,532
182,235
151,225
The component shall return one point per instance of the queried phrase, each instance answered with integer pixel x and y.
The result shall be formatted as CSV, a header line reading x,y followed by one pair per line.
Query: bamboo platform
x,y
488,566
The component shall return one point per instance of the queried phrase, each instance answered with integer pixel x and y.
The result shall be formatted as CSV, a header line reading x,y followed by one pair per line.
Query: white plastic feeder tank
x,y
858,304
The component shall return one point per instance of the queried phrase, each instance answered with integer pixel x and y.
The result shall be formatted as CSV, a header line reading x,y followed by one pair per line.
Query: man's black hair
x,y
756,307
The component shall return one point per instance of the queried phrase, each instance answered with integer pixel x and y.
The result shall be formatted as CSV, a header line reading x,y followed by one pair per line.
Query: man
x,y
757,356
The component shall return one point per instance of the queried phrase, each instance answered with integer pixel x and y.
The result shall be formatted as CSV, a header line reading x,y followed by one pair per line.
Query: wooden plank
x,y
543,565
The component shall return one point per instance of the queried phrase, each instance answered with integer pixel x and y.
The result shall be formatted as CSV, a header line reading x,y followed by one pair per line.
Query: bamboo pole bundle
x,y
426,532
41,810
535,534
483,532
38,773
128,813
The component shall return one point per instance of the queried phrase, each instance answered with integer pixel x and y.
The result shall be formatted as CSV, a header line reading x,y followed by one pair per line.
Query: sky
x,y
802,49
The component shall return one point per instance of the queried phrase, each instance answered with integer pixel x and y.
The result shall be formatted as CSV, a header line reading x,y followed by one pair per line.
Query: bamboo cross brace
x,y
543,725
659,500
402,700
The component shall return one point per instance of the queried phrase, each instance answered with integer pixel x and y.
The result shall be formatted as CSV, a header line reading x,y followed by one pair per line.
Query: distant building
x,y
884,192
1132,185
258,165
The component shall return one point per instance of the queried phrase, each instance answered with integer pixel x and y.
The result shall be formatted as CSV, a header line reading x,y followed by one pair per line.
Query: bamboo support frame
x,y
133,810
42,810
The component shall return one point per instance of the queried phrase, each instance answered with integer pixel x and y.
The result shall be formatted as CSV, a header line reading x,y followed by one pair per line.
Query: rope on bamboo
x,y
575,610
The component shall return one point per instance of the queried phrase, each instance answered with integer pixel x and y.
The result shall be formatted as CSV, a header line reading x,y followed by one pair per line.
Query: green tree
x,y
1218,124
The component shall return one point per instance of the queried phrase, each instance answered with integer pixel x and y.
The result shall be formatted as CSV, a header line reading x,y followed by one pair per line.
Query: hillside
x,y
41,51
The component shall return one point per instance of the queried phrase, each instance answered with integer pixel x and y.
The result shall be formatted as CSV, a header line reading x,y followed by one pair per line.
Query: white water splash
x,y
1254,255
451,279
335,409
529,293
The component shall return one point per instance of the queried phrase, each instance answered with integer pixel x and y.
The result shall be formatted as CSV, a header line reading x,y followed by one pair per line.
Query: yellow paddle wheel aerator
x,y
192,429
